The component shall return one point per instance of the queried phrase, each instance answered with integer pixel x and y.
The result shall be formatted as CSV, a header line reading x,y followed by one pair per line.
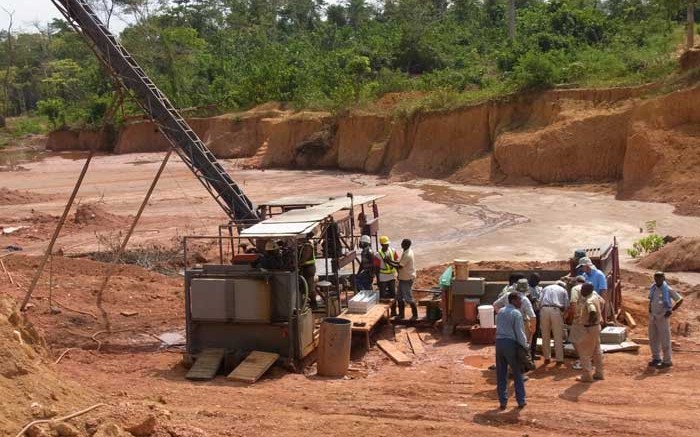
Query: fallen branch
x,y
60,419
99,343
58,360
4,269
86,313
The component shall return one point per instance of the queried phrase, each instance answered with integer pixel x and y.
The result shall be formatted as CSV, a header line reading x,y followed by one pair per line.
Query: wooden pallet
x,y
396,355
206,365
253,367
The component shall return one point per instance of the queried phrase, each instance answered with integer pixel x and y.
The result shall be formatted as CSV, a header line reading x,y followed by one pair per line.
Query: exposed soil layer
x,y
445,392
649,146
30,386
681,255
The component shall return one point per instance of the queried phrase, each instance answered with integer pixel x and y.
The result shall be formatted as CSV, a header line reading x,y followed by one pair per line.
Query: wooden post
x,y
56,231
690,26
125,241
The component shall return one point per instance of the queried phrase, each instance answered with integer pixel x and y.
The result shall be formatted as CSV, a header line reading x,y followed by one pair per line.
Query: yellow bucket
x,y
461,269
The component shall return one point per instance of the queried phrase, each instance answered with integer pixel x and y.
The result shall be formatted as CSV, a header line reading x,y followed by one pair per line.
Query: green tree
x,y
358,68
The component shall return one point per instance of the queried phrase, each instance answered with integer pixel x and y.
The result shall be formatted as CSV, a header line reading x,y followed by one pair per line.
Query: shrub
x,y
646,245
536,71
54,110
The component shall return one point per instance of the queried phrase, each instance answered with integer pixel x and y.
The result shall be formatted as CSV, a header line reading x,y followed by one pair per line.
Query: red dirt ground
x,y
447,391
682,255
17,197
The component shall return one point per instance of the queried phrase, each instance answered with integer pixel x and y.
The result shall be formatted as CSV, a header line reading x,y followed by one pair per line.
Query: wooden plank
x,y
396,355
206,365
416,343
630,320
365,322
253,367
399,333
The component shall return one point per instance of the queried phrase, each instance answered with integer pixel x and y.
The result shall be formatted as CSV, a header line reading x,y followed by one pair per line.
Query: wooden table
x,y
370,319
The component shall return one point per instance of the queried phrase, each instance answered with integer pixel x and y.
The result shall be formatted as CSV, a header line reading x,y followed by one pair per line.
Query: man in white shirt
x,y
554,301
407,274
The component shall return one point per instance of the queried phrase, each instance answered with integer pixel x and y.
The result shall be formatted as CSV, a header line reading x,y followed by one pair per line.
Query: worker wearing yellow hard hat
x,y
387,272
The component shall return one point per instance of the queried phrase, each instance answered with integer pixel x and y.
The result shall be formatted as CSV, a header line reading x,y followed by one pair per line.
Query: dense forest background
x,y
334,55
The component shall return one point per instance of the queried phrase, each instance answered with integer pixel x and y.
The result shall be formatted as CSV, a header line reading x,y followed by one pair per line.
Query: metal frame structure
x,y
292,336
328,212
291,330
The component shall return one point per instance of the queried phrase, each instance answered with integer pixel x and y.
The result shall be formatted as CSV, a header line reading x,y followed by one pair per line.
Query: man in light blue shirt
x,y
660,310
594,276
510,335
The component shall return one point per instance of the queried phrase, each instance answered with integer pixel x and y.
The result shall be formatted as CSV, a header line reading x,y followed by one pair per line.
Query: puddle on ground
x,y
142,162
12,159
469,203
478,361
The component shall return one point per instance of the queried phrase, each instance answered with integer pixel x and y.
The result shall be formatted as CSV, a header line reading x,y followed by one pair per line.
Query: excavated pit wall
x,y
586,135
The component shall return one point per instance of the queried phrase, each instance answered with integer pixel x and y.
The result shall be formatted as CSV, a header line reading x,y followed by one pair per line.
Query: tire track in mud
x,y
469,203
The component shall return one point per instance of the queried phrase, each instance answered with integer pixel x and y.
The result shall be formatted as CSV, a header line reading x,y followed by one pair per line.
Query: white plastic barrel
x,y
486,319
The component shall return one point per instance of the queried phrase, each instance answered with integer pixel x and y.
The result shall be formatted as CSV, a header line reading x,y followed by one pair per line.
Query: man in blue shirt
x,y
510,335
594,276
660,310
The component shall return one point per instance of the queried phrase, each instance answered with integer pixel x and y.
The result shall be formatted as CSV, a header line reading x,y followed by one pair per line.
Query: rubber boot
x,y
585,377
402,310
414,311
393,309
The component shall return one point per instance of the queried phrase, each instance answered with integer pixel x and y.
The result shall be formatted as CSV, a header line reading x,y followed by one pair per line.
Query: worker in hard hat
x,y
364,277
271,258
307,267
387,272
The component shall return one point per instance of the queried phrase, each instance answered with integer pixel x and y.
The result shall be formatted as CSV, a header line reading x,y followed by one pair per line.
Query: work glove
x,y
668,313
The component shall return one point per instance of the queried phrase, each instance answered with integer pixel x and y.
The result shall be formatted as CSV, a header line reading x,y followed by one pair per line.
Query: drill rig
x,y
234,306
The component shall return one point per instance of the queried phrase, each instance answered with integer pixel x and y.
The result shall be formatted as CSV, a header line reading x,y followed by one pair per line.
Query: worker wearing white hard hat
x,y
271,259
363,279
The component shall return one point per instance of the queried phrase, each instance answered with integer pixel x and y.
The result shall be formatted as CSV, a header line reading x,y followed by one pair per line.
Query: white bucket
x,y
486,318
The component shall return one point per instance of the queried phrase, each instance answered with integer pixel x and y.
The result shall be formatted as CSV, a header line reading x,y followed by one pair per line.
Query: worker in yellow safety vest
x,y
307,267
387,272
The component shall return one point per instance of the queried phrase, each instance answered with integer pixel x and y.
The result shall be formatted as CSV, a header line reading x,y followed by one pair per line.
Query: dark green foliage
x,y
311,53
